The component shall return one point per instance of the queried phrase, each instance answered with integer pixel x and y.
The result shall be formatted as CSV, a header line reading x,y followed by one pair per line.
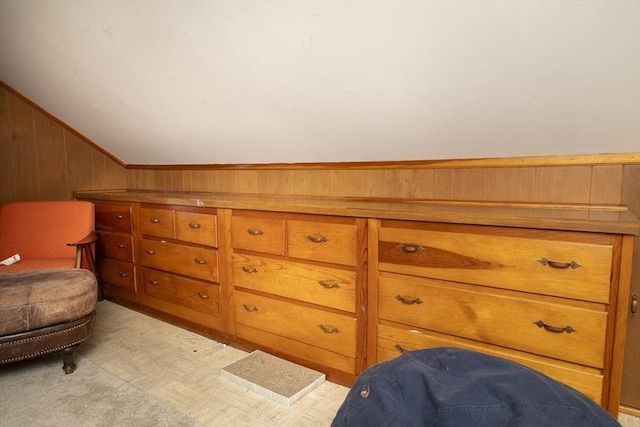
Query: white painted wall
x,y
198,82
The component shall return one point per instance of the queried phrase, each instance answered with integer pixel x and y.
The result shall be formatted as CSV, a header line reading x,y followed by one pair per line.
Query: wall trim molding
x,y
497,162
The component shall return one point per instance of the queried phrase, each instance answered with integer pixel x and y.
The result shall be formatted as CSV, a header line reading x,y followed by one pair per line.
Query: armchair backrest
x,y
42,229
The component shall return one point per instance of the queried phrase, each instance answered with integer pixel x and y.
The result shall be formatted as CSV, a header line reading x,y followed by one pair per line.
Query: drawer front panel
x,y
118,273
157,222
115,245
317,241
258,234
508,321
506,262
298,349
196,228
392,341
201,263
192,294
326,286
111,217
330,331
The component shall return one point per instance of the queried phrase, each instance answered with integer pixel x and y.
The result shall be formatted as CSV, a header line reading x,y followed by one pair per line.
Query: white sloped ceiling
x,y
217,82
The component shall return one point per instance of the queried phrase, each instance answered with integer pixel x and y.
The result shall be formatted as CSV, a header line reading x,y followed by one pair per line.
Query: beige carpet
x,y
36,392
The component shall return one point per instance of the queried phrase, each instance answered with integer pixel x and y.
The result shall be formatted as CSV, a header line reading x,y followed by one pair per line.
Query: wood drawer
x,y
188,293
506,319
327,330
113,217
321,241
326,286
157,222
118,273
393,340
298,350
497,261
193,261
115,245
196,228
258,234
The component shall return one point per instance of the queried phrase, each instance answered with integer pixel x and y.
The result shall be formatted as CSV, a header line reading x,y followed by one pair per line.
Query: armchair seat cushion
x,y
35,299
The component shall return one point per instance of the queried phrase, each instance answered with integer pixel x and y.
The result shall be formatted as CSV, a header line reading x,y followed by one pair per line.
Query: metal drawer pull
x,y
119,216
194,226
328,285
408,301
122,274
200,261
121,245
254,232
249,270
154,220
203,296
558,329
250,308
556,264
154,282
399,348
150,251
315,239
328,330
409,249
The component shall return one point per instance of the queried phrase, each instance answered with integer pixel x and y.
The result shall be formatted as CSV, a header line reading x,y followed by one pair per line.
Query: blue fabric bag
x,y
460,388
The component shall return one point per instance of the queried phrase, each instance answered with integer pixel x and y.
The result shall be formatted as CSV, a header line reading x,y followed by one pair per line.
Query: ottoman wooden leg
x,y
68,356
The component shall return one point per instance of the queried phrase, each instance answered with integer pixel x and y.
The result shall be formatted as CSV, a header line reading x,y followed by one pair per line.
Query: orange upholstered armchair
x,y
47,234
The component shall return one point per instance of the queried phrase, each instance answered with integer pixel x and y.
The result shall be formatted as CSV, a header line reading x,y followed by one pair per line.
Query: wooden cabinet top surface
x,y
594,218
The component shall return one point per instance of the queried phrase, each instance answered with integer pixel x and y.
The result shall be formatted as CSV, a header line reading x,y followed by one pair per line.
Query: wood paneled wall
x,y
43,159
598,184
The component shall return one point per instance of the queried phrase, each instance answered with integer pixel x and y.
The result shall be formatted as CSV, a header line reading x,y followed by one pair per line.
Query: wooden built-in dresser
x,y
339,285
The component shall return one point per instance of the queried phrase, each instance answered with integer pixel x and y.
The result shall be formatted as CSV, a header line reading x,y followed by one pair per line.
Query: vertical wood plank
x,y
23,149
199,181
279,182
511,184
79,162
51,161
212,180
177,180
606,184
563,184
443,184
7,172
370,182
298,182
115,175
248,181
317,183
394,183
99,175
630,194
469,184
346,182
419,183
227,181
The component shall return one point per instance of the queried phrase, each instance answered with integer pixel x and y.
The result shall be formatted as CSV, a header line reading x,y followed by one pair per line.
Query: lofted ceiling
x,y
233,82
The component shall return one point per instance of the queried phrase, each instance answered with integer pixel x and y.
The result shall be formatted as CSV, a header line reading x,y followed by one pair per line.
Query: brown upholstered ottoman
x,y
43,311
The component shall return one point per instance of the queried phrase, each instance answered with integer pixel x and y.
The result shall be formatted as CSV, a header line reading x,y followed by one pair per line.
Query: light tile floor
x,y
182,369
